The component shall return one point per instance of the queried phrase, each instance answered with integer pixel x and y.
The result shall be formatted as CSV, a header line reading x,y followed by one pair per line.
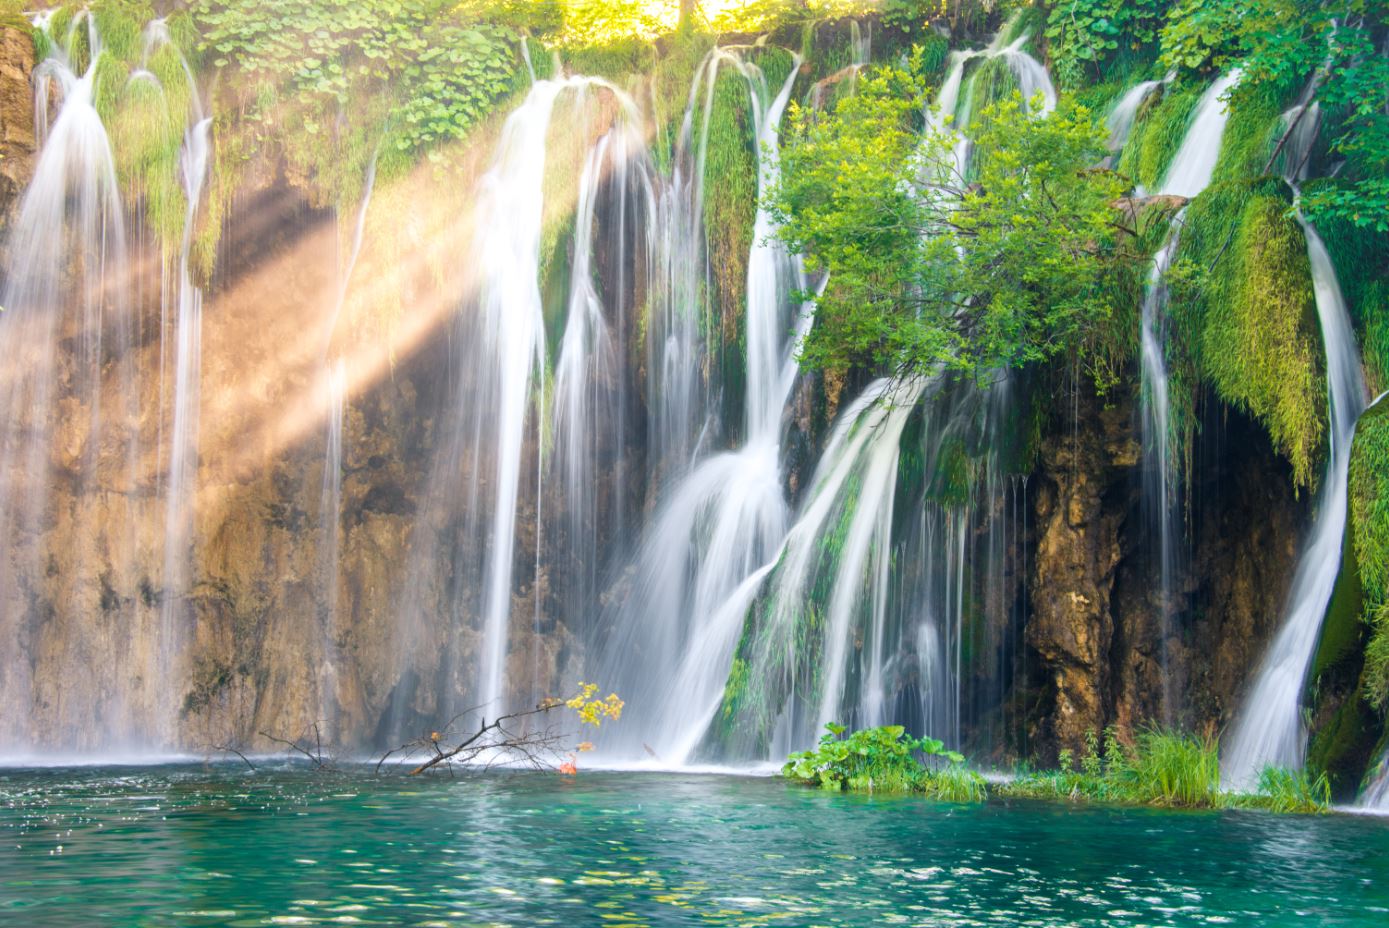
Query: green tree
x,y
1278,44
1001,267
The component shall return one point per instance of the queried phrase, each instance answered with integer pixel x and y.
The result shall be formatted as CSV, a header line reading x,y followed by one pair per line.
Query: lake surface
x,y
223,846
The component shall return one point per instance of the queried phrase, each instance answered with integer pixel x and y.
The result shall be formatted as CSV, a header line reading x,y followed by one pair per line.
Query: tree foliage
x,y
1084,35
1337,45
930,267
442,64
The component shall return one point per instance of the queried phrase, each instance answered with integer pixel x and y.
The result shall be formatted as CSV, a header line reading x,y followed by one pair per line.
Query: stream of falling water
x,y
497,403
840,553
720,522
335,388
1269,729
1189,173
66,280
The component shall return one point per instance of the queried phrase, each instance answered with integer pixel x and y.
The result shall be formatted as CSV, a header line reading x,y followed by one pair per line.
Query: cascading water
x,y
183,442
1189,173
803,664
719,523
590,415
677,382
497,400
66,281
335,388
1269,729
330,507
1125,111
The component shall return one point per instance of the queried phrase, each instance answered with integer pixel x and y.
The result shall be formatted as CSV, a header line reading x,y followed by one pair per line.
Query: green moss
x,y
1341,629
1339,749
730,212
1158,132
953,477
1251,134
1369,522
986,83
1247,318
1362,269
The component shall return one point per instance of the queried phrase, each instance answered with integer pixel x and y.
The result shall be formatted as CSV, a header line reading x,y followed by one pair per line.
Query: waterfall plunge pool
x,y
193,845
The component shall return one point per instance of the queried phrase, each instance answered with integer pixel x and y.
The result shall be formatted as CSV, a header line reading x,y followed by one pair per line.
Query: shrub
x,y
885,759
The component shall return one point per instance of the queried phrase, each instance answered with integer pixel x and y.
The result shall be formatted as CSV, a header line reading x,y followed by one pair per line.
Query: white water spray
x,y
1269,730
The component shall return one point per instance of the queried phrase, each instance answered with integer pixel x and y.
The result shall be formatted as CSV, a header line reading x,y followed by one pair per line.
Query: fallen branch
x,y
228,749
314,756
505,739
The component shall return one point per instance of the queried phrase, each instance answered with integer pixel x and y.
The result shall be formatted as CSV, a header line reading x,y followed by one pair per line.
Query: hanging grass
x,y
1361,257
1252,131
1158,132
1245,317
1369,521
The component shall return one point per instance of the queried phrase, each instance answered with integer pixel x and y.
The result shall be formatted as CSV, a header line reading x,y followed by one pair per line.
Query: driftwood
x,y
312,750
506,740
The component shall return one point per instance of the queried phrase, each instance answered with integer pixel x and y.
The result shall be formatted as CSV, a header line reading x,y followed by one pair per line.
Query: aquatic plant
x,y
885,759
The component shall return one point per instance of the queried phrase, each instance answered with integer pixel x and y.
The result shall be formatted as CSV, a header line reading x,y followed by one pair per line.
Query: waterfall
x,y
1189,173
1125,111
1269,729
330,514
839,634
953,108
590,412
465,547
1031,74
180,487
864,561
718,524
66,283
677,386
1376,794
1194,163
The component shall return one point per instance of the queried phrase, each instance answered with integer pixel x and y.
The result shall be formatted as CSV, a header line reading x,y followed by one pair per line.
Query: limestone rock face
x,y
16,117
1081,503
1104,655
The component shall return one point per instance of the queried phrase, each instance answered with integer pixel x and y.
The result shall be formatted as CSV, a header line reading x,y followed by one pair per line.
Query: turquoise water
x,y
222,846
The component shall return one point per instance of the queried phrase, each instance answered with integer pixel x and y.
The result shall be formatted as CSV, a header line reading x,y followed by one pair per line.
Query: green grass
x,y
1286,791
1167,769
1161,768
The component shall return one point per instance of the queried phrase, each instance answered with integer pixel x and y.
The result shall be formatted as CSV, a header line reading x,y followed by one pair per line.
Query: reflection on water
x,y
192,846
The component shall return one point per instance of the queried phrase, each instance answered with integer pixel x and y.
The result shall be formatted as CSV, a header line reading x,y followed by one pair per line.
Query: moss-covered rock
x,y
1369,522
1158,132
1361,257
1245,313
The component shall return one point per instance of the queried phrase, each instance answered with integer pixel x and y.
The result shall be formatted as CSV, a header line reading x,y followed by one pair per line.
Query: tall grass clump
x,y
1165,768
